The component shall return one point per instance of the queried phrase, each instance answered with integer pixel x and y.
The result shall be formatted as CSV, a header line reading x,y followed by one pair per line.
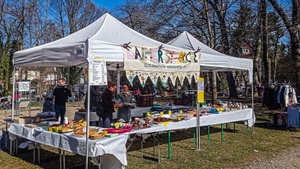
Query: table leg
x,y
16,142
154,145
33,153
142,145
233,127
169,145
64,160
99,162
208,135
39,153
60,159
222,132
10,147
158,147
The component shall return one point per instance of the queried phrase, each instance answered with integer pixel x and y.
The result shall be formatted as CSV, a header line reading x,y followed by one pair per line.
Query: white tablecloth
x,y
211,119
113,149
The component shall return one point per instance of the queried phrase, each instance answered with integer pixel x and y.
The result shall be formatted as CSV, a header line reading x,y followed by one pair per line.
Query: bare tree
x,y
73,15
291,22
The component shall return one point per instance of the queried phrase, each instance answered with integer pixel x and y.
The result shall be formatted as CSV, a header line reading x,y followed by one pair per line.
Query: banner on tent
x,y
164,76
160,60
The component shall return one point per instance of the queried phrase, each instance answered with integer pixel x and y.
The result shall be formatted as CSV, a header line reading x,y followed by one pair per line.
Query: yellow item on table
x,y
161,113
180,112
50,129
104,132
117,125
178,118
166,123
148,114
170,112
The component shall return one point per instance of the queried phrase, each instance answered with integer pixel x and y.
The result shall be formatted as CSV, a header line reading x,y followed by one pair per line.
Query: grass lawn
x,y
239,149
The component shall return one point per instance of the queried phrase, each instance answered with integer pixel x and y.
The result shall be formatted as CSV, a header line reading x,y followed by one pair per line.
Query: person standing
x,y
61,93
127,101
108,104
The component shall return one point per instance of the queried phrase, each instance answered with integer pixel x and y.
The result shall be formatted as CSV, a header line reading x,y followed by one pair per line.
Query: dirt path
x,y
288,159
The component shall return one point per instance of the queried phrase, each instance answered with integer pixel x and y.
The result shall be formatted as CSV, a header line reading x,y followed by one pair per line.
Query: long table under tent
x,y
246,115
111,152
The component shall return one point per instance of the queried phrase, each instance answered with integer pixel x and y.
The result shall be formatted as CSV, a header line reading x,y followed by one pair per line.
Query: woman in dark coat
x,y
108,104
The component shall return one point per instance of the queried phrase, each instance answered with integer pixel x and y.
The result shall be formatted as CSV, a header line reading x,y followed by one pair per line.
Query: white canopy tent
x,y
103,38
211,60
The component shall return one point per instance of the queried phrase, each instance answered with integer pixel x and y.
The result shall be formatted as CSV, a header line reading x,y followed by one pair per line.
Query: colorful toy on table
x,y
119,127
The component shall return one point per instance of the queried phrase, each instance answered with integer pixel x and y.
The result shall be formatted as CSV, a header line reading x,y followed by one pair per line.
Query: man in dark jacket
x,y
108,104
61,93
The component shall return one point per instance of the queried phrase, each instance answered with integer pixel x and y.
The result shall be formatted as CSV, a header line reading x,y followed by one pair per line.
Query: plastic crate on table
x,y
144,100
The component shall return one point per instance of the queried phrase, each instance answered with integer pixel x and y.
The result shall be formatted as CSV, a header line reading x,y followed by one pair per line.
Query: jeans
x,y
60,110
107,119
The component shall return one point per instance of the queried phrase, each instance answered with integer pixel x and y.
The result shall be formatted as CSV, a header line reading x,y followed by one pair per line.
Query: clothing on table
x,y
278,95
108,107
270,98
61,94
287,90
124,112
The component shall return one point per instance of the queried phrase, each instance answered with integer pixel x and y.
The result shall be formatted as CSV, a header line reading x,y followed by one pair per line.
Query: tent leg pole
x,y
252,105
198,129
88,120
13,94
118,80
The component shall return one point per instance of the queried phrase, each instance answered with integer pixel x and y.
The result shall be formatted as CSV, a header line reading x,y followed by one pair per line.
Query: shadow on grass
x,y
50,160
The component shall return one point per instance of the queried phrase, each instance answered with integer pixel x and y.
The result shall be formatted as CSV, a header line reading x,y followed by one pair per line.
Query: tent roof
x,y
103,38
210,58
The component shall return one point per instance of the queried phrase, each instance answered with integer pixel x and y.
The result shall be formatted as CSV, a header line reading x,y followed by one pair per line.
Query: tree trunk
x,y
295,47
220,10
212,45
292,24
214,86
263,10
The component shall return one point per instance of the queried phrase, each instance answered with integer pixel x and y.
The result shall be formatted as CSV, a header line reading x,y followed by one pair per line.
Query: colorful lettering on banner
x,y
171,57
159,59
137,54
196,57
154,55
160,54
130,54
181,57
188,57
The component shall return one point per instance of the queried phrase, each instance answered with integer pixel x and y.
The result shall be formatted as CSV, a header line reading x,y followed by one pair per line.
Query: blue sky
x,y
109,4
